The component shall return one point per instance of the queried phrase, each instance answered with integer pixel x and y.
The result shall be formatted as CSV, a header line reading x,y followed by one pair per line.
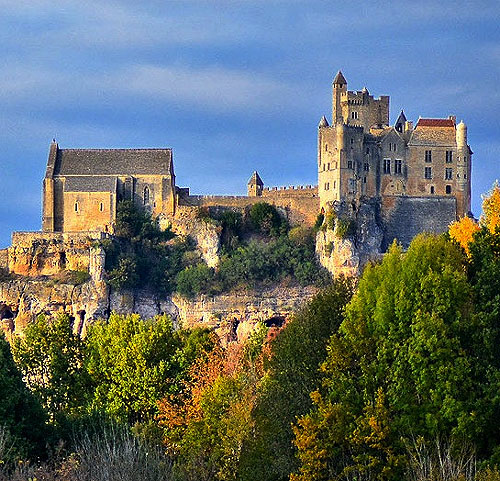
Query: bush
x,y
319,221
195,280
345,228
266,219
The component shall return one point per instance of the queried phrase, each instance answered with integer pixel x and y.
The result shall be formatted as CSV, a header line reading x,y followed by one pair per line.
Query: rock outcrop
x,y
350,237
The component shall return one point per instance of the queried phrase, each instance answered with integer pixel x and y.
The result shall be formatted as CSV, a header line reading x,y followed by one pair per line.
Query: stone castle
x,y
384,182
418,174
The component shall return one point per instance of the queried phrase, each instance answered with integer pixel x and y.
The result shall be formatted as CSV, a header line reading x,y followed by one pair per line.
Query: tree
x,y
399,366
462,231
22,419
292,372
50,356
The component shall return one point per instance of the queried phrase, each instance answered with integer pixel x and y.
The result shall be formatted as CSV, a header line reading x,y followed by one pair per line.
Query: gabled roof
x,y
113,162
339,79
435,123
255,179
401,119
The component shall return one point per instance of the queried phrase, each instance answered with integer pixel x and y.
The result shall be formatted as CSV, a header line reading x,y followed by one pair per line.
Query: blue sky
x,y
231,85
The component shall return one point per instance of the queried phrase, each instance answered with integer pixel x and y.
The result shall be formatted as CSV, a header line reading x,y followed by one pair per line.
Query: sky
x,y
232,86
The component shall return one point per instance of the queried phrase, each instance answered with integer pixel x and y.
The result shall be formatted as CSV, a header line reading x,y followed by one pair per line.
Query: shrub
x,y
319,221
345,228
195,280
266,219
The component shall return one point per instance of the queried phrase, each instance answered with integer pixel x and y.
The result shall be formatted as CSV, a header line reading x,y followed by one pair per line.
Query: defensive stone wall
x,y
405,217
301,203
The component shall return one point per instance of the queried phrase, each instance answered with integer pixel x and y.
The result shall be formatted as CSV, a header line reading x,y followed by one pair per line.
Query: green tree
x,y
50,356
399,366
21,414
266,219
133,363
292,372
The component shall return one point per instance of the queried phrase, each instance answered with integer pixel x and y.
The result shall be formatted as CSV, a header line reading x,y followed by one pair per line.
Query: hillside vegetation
x,y
257,248
394,378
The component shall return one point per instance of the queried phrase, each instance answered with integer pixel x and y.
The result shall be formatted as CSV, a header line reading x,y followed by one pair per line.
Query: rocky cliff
x,y
351,236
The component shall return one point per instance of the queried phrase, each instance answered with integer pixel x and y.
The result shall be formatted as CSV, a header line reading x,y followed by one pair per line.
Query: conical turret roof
x,y
339,79
255,179
323,122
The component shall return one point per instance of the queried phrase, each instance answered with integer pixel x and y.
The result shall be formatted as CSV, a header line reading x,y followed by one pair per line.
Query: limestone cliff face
x,y
353,238
35,253
205,234
233,316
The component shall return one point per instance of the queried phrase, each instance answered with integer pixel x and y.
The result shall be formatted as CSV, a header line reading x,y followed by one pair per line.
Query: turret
x,y
339,88
255,185
461,135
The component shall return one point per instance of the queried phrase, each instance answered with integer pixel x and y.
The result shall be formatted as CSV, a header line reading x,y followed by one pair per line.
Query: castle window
x,y
349,164
428,173
146,195
387,166
352,185
448,174
352,141
328,166
101,206
392,147
428,155
432,189
326,147
366,167
76,207
465,176
354,115
448,189
334,184
397,166
367,150
364,180
327,185
449,156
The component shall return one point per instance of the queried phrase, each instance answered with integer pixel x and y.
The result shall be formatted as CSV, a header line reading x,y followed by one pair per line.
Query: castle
x,y
418,176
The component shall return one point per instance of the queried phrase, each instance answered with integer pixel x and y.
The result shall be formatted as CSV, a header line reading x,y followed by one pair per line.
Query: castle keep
x,y
361,156
415,177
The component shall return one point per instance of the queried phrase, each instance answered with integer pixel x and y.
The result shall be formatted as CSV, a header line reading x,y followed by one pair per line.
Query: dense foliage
x,y
256,248
398,381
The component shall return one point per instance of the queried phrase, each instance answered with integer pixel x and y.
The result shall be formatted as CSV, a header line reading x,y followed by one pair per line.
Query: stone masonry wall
x,y
301,204
405,217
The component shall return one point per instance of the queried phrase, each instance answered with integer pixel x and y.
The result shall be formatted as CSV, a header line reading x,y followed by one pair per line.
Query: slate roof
x,y
90,184
255,179
340,79
113,162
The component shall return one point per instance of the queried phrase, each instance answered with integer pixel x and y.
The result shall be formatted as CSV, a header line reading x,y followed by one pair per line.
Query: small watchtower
x,y
255,185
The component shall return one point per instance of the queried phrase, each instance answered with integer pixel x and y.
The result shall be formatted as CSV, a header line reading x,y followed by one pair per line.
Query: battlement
x,y
289,188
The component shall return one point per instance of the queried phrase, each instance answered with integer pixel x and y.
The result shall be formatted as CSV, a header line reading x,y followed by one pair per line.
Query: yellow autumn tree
x,y
491,209
462,232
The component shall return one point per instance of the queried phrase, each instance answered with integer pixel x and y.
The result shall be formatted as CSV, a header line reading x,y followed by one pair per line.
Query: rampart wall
x,y
301,203
405,217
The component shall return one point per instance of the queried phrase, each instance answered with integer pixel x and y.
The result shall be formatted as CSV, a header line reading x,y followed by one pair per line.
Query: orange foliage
x,y
462,231
491,209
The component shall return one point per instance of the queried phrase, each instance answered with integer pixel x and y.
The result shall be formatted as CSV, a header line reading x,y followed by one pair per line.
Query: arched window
x,y
76,206
146,195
